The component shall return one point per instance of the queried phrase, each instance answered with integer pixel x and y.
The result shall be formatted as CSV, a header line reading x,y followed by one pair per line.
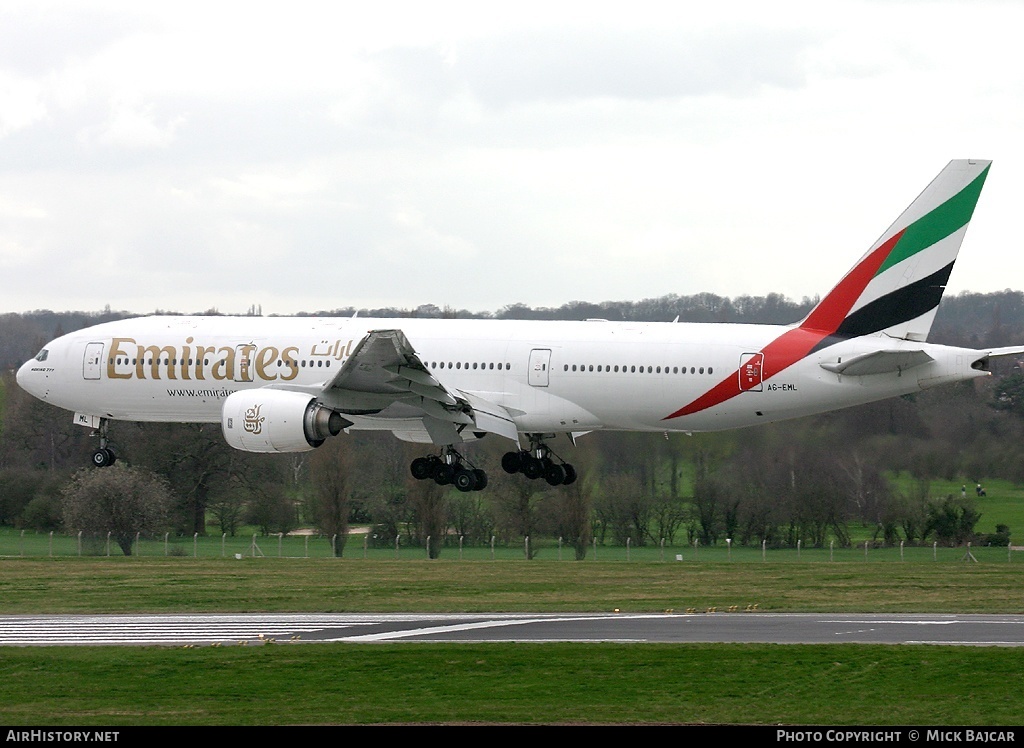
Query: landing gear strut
x,y
449,468
536,462
104,456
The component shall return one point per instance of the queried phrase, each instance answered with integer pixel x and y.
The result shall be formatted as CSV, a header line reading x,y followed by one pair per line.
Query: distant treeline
x,y
808,481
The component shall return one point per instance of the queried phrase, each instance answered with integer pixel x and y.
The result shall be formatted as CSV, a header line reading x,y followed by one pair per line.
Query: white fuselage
x,y
549,376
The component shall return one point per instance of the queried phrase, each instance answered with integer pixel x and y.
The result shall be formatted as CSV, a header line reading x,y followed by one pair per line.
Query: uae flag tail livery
x,y
892,292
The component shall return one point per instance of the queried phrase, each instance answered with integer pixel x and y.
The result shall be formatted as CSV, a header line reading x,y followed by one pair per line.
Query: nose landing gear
x,y
104,456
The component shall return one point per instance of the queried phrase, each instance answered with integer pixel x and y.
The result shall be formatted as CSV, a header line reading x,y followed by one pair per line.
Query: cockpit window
x,y
41,356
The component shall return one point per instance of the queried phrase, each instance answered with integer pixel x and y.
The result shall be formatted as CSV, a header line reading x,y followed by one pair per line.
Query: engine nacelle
x,y
266,420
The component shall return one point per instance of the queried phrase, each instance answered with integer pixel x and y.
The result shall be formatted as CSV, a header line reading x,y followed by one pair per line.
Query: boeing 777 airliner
x,y
288,384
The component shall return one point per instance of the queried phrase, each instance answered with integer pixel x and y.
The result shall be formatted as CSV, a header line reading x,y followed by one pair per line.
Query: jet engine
x,y
266,420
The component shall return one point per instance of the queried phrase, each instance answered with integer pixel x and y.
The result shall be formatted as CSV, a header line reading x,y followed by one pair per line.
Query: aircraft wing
x,y
879,362
384,377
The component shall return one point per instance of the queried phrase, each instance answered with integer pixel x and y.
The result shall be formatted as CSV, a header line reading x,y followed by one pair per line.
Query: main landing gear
x,y
449,468
537,462
104,456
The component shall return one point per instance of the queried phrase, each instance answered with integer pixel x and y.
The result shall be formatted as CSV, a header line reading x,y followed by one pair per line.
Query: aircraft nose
x,y
28,379
23,374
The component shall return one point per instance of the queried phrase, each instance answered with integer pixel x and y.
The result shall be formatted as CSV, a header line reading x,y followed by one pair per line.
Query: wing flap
x,y
492,418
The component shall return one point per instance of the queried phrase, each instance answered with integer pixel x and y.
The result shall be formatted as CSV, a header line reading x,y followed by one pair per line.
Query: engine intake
x,y
265,420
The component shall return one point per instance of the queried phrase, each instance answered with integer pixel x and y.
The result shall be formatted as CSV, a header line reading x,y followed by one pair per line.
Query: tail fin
x,y
895,288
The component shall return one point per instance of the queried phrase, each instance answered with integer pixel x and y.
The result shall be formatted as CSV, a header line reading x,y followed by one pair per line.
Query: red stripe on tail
x,y
795,344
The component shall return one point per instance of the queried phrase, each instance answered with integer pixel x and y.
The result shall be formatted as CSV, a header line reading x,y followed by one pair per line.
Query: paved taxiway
x,y
811,628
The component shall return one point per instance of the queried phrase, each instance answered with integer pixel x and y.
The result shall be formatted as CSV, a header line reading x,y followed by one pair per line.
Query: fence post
x,y
492,547
728,545
195,545
108,543
428,546
695,549
559,547
223,540
662,545
79,542
460,547
595,549
138,551
764,556
628,541
526,546
798,542
831,549
901,550
51,543
397,536
865,550
935,550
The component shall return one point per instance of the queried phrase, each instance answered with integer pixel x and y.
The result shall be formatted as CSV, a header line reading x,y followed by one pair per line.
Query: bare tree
x,y
471,517
119,500
428,498
625,508
577,502
228,507
331,468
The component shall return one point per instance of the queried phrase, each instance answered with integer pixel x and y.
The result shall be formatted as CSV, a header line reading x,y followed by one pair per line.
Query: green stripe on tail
x,y
936,225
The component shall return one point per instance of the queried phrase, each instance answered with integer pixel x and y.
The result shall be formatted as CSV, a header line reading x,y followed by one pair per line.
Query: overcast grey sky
x,y
318,155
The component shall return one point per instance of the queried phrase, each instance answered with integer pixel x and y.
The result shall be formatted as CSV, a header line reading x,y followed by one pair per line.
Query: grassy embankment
x,y
285,683
507,683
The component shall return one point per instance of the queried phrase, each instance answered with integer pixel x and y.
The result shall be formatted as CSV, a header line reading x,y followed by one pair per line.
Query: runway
x,y
738,627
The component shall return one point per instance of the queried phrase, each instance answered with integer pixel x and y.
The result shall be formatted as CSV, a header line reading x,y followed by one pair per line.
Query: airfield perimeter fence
x,y
30,544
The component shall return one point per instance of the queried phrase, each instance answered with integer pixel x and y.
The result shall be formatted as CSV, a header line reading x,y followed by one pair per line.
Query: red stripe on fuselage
x,y
794,344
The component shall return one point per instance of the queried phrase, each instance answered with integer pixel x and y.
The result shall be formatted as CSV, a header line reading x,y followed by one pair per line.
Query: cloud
x,y
573,64
588,61
38,39
132,126
316,155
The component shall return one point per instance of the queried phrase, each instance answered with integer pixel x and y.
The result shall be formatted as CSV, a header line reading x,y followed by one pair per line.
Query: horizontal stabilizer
x,y
1010,351
878,362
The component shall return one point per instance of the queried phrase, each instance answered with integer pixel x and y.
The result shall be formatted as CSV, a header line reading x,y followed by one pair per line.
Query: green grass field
x,y
42,545
551,683
1002,504
333,684
127,585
